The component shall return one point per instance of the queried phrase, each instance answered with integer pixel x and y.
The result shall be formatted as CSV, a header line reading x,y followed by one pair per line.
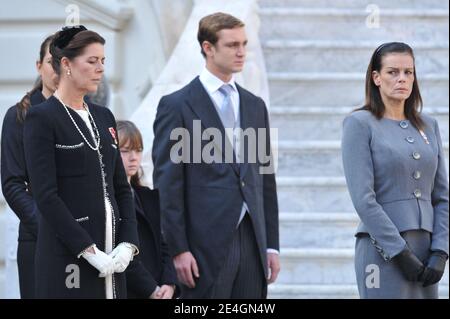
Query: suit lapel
x,y
201,104
246,122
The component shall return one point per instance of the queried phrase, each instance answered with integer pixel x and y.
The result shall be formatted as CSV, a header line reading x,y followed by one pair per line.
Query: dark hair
x,y
128,133
213,23
70,42
374,103
25,103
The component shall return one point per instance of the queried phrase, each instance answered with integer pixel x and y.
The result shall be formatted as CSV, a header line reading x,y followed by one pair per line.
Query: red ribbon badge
x,y
113,134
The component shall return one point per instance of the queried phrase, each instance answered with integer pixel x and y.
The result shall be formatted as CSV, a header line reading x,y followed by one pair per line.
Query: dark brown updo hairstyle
x,y
25,103
70,42
374,103
129,134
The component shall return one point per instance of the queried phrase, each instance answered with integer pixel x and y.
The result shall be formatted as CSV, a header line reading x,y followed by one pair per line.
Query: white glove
x,y
122,255
101,261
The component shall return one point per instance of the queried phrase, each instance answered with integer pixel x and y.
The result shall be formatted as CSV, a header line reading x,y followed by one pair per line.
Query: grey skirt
x,y
378,278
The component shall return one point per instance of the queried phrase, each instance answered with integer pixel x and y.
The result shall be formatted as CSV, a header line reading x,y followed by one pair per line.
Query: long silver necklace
x,y
96,133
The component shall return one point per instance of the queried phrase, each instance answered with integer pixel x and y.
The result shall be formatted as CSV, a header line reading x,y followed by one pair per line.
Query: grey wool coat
x,y
397,180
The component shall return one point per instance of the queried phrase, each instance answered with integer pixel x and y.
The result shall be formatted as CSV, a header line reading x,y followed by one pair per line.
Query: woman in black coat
x,y
151,274
87,234
15,182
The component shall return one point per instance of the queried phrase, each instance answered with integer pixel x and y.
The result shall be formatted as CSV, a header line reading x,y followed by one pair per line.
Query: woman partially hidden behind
x,y
15,181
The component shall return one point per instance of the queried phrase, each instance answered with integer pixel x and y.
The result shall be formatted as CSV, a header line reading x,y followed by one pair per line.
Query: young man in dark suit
x,y
219,217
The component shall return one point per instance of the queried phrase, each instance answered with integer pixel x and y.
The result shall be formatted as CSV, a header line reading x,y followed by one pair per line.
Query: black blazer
x,y
153,266
15,181
65,176
200,202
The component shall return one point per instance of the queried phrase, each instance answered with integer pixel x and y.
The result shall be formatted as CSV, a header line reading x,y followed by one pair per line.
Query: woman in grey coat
x,y
395,170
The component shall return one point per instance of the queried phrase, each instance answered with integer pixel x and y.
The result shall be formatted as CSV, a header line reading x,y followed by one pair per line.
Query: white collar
x,y
212,83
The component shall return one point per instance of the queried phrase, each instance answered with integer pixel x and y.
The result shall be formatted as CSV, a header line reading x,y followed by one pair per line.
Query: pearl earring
x,y
68,72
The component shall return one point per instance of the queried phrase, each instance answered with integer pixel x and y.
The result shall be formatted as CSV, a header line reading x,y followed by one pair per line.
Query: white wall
x,y
146,43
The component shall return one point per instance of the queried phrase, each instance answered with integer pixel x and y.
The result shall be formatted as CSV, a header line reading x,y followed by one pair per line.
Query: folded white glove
x,y
101,261
122,255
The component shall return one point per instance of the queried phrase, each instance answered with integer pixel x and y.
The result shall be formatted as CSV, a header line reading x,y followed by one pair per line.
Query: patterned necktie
x,y
227,110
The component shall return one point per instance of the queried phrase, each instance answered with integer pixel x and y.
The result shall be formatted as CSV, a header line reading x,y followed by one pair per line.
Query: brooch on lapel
x,y
113,134
424,136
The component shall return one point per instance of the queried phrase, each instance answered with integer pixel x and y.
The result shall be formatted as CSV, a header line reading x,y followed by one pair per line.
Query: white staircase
x,y
316,53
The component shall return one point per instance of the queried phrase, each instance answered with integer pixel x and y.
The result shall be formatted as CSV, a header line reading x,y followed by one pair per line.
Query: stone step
x,y
331,23
315,230
383,4
313,194
316,266
3,248
337,89
313,158
3,227
302,123
295,291
344,56
320,266
2,279
309,158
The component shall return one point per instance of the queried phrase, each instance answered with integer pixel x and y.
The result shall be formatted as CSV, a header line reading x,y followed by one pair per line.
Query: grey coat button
x,y
404,124
379,249
416,155
417,193
242,183
417,175
410,139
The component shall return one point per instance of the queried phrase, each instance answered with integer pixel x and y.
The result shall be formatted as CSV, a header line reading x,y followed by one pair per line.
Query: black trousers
x,y
242,275
25,265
